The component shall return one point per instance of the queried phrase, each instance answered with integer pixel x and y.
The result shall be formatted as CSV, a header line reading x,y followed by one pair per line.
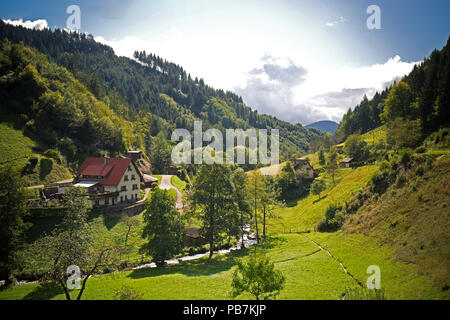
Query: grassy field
x,y
376,135
303,214
16,148
310,273
400,280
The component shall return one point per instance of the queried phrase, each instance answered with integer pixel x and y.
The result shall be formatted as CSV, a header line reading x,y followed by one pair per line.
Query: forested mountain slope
x,y
422,95
150,84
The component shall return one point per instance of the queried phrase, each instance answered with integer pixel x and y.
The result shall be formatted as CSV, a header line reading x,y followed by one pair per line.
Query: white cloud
x,y
39,24
303,93
336,22
316,93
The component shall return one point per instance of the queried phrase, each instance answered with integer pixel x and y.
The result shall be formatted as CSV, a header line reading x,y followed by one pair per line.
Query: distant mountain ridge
x,y
324,125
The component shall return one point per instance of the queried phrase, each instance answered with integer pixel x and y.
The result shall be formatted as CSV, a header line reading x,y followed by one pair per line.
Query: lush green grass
x,y
16,148
305,213
180,185
14,145
399,280
157,176
310,275
414,220
376,135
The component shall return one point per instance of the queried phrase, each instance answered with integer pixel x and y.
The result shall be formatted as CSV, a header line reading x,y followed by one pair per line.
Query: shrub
x,y
53,154
420,171
419,197
46,165
421,149
31,164
126,293
379,182
405,156
401,180
334,218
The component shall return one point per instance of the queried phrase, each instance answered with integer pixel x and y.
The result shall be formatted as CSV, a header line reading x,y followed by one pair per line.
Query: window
x,y
126,178
135,195
123,188
133,177
126,197
135,186
121,199
129,168
106,200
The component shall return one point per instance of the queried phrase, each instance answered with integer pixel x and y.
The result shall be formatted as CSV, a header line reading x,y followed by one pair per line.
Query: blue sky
x,y
299,60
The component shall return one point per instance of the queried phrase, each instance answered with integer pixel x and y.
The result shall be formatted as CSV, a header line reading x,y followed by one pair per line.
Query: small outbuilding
x,y
346,162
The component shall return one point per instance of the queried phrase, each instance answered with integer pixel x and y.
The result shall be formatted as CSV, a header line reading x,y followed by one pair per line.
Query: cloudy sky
x,y
301,61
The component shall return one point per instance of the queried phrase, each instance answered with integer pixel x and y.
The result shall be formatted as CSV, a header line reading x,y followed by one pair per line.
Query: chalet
x,y
304,164
109,181
346,162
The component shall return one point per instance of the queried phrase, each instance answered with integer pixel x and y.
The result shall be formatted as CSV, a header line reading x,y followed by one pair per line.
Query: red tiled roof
x,y
113,170
97,170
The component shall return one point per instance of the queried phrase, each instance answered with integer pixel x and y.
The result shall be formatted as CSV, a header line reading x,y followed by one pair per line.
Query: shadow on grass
x,y
194,268
108,221
44,291
272,242
320,199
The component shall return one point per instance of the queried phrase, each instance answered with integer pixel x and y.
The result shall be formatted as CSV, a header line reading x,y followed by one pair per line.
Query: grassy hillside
x,y
414,219
304,213
16,149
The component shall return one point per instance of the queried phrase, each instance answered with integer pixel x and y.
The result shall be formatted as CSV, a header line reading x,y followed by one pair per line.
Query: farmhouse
x,y
346,162
304,164
109,181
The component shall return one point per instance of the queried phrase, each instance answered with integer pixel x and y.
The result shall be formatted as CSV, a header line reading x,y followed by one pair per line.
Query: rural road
x,y
167,184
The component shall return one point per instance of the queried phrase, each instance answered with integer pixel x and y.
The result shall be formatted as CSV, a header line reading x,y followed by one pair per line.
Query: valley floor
x,y
310,273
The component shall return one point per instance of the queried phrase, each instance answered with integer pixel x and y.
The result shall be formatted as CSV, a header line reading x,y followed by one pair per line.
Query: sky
x,y
301,61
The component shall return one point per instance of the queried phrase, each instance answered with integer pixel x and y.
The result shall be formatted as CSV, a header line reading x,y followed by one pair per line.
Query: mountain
x,y
149,87
324,125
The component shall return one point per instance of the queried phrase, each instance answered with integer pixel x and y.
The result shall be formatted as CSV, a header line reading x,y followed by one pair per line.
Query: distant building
x,y
149,180
300,163
109,181
172,170
134,154
346,162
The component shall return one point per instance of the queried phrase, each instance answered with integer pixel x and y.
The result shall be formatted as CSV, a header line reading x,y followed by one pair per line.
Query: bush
x,y
420,171
31,164
126,293
379,182
334,218
401,180
46,166
53,154
405,156
421,149
419,197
